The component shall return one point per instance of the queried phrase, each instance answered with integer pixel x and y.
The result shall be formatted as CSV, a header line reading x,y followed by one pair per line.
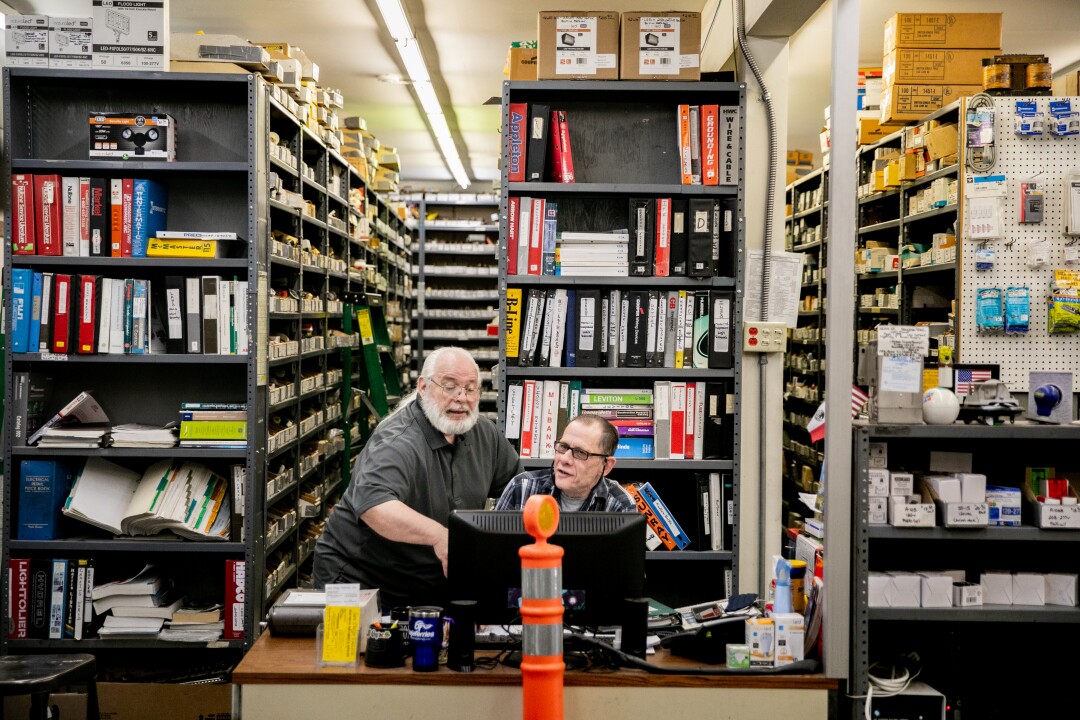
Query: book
x,y
38,611
683,143
679,228
63,326
662,250
48,197
116,217
659,531
29,393
170,603
18,598
84,217
512,217
127,198
537,142
572,325
547,246
695,145
720,351
34,340
83,408
147,581
45,331
213,430
562,155
22,285
149,214
100,218
710,161
235,573
23,212
660,508
43,486
87,324
635,448
198,614
190,248
518,114
57,599
730,122
699,249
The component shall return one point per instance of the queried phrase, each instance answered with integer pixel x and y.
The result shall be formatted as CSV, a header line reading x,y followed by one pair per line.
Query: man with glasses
x,y
584,456
432,455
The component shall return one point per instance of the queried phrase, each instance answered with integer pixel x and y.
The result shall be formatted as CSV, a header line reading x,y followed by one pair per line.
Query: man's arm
x,y
396,521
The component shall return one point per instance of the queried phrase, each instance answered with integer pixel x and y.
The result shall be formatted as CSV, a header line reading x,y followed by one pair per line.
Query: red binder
x,y
23,210
62,292
536,236
561,155
127,196
710,151
48,201
528,400
662,253
87,314
116,217
518,120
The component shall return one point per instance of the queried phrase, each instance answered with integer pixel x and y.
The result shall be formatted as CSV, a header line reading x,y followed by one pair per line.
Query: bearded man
x,y
434,454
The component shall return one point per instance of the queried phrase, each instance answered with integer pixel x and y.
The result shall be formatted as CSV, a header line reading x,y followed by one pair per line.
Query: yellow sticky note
x,y
929,378
341,634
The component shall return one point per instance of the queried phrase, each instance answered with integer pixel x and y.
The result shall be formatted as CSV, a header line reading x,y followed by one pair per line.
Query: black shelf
x,y
936,212
622,372
313,221
987,534
96,545
638,464
276,542
884,275
806,246
135,358
878,196
95,644
173,452
878,227
929,269
282,493
807,213
282,165
983,614
688,556
677,281
128,262
312,184
278,205
878,311
552,188
127,167
587,87
1021,429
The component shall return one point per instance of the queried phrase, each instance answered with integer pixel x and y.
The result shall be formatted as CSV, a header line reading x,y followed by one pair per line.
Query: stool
x,y
39,675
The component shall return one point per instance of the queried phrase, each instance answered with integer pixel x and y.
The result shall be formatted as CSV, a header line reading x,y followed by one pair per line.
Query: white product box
x,y
967,594
790,630
131,35
879,511
760,635
879,482
26,40
936,590
945,461
1060,589
876,585
904,514
957,514
1057,516
879,455
1029,589
946,487
71,42
972,487
904,590
901,483
997,588
1004,504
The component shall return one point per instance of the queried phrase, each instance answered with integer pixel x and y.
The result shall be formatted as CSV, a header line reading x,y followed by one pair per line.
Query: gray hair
x,y
435,358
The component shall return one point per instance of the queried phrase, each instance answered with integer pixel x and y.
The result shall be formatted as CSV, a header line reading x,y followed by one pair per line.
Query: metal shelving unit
x,y
643,116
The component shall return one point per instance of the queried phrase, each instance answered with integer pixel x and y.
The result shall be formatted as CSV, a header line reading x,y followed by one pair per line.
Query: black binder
x,y
727,213
642,236
699,241
680,226
538,140
722,311
637,328
589,332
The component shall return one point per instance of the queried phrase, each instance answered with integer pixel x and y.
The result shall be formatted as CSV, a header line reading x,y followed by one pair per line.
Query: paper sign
x,y
784,286
904,340
900,374
341,623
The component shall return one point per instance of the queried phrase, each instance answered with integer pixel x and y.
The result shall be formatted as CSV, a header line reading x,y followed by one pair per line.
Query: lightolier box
x,y
131,35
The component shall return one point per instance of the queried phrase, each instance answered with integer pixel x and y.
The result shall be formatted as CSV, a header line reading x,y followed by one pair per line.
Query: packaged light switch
x,y
1062,119
1028,121
1004,505
131,35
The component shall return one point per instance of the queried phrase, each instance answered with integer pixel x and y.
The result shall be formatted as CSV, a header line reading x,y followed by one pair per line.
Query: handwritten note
x,y
903,340
785,283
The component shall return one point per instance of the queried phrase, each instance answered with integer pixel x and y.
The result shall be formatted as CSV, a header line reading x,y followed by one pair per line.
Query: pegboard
x,y
1046,160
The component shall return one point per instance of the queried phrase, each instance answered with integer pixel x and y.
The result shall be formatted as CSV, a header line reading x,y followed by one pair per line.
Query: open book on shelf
x,y
185,497
82,409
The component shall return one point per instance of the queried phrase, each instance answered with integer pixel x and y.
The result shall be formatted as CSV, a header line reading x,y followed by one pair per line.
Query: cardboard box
x,y
72,706
937,590
941,142
71,42
972,485
955,513
967,594
1029,589
1060,589
904,590
760,634
878,480
131,136
901,483
161,701
660,46
876,585
879,511
577,45
134,36
871,130
904,514
1045,515
997,588
26,40
790,631
918,66
277,50
1067,85
521,63
942,30
905,103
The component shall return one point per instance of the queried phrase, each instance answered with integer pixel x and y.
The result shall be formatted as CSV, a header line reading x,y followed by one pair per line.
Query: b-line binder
x,y
642,236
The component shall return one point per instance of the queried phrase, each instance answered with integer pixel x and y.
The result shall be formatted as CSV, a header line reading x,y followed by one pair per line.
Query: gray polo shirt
x,y
407,459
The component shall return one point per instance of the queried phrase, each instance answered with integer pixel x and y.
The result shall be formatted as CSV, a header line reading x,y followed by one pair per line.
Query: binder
x,y
679,233
224,323
728,140
671,306
637,328
537,409
84,217
119,314
514,390
512,217
614,328
726,211
589,330
22,285
35,313
699,420
651,517
172,315
624,320
524,227
719,430
653,325
536,236
699,250
680,331
534,318
513,323
558,328
549,410
709,145
528,397
716,513
48,196
89,289
127,197
572,327
690,421
684,144
642,236
515,162
695,145
61,320
23,213
105,313
720,351
210,319
550,232
100,218
128,316
193,314
69,211
538,140
662,250
45,332
702,332
116,217
562,155
548,330
662,418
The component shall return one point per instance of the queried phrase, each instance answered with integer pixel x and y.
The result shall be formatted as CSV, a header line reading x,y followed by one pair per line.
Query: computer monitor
x,y
604,563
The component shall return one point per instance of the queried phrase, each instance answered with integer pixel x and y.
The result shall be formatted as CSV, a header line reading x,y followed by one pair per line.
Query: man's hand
x,y
442,548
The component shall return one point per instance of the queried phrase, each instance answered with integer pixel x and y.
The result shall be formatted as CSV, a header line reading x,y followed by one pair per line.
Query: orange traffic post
x,y
541,613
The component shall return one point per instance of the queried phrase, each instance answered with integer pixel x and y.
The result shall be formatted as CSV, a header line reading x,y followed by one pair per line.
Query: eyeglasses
x,y
579,454
472,392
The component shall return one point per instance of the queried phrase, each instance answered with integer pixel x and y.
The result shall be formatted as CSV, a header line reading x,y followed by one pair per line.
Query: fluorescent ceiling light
x,y
397,24
429,101
394,16
409,50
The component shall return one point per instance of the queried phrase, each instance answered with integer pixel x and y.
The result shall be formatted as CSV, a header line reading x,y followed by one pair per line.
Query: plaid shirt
x,y
607,495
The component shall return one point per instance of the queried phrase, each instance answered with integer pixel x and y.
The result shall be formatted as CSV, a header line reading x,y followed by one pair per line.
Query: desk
x,y
278,680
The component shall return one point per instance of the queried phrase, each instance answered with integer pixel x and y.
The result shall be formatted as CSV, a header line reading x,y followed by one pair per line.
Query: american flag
x,y
858,399
966,379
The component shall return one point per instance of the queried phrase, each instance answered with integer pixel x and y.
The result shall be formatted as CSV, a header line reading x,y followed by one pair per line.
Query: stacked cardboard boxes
x,y
931,59
799,163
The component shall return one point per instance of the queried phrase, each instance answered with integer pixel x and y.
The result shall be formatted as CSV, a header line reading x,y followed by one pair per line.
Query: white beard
x,y
444,424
